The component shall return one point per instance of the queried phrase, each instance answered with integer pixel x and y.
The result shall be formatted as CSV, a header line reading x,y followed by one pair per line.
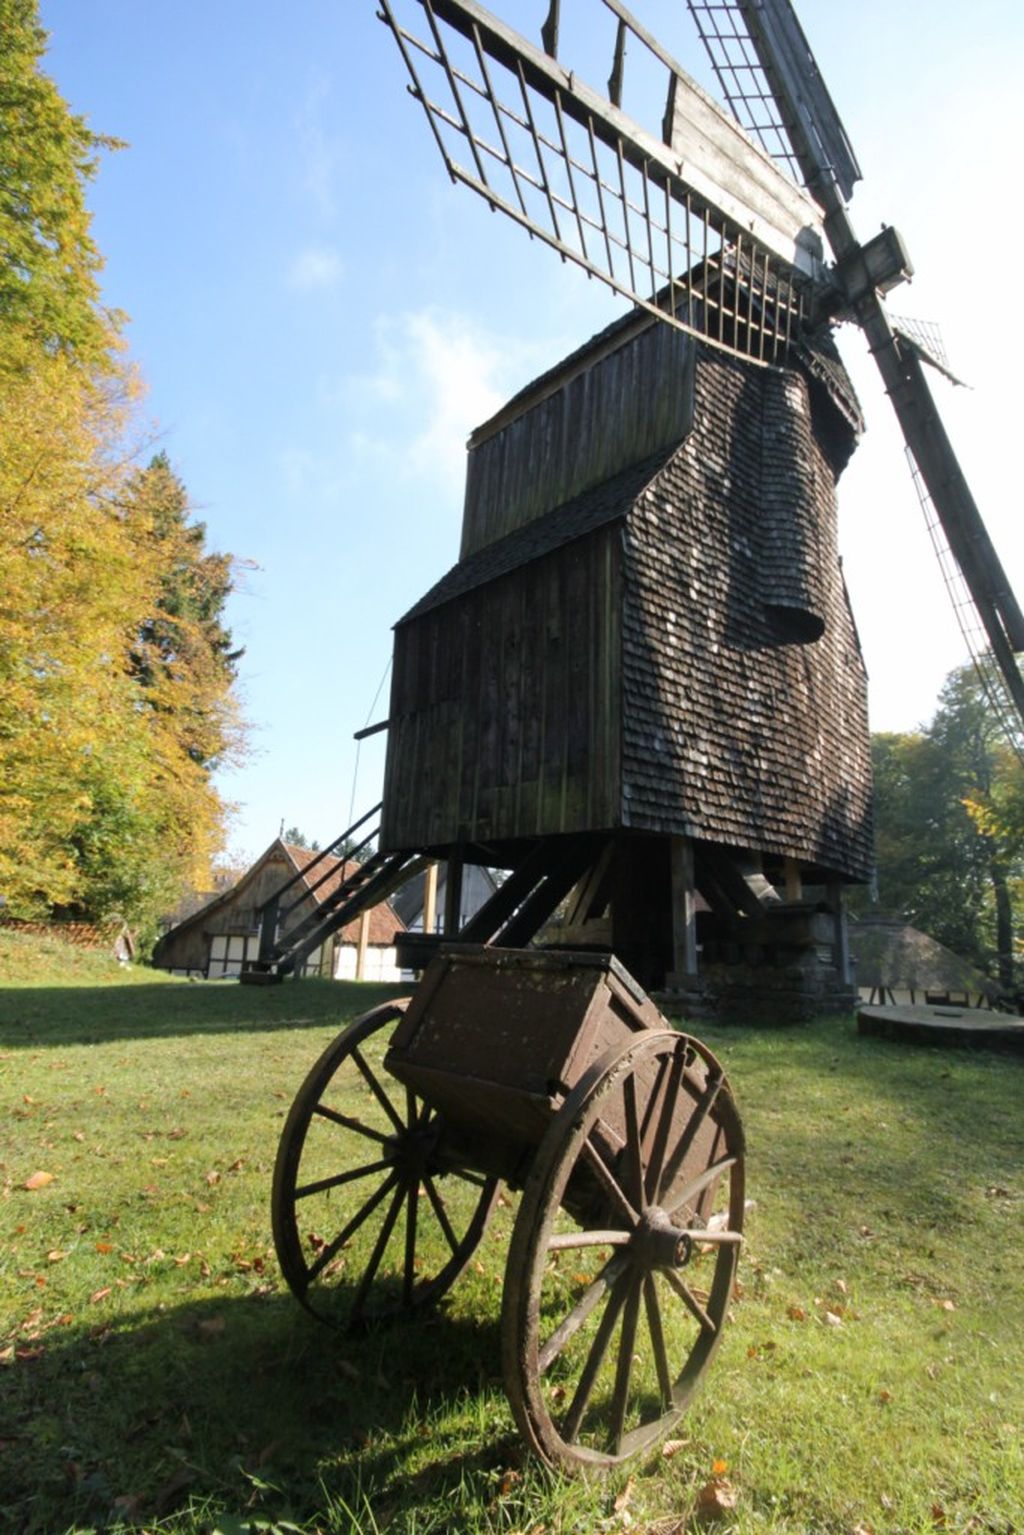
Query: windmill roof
x,y
602,503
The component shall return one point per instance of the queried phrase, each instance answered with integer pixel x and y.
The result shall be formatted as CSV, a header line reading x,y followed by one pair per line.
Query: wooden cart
x,y
554,1074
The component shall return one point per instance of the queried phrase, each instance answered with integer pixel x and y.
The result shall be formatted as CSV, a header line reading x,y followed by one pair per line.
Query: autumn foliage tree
x,y
949,814
115,671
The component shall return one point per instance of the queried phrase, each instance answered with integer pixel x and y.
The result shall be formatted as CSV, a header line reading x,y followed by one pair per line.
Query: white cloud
x,y
316,267
448,376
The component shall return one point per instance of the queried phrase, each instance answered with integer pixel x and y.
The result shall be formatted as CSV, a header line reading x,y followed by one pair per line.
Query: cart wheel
x,y
623,1255
370,1220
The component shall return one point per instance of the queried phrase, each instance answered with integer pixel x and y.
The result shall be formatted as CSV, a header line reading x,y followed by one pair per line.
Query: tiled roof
x,y
384,920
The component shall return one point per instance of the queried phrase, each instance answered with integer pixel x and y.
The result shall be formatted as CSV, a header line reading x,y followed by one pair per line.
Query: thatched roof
x,y
893,954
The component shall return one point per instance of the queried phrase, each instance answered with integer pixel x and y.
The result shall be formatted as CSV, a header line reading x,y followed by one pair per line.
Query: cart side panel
x,y
496,1038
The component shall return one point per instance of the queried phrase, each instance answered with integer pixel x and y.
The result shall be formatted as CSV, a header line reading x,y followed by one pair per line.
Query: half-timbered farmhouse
x,y
224,935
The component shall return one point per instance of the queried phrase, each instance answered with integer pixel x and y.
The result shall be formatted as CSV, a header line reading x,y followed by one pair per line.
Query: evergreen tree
x,y
184,656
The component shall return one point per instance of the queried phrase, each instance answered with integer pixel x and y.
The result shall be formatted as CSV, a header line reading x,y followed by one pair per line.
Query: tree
x,y
115,668
297,838
950,827
49,288
183,656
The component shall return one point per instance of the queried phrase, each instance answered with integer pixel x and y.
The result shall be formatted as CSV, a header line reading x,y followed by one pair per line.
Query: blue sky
x,y
321,318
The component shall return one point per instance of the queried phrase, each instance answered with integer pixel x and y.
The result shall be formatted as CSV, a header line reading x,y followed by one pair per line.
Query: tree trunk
x,y
1004,925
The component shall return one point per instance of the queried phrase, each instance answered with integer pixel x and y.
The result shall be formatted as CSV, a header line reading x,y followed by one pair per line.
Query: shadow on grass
x,y
246,1406
82,1015
915,1132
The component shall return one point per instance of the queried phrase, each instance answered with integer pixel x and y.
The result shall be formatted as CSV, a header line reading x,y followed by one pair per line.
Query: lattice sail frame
x,y
539,145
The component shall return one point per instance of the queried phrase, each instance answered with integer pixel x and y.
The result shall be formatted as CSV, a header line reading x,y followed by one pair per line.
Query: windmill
x,y
648,217
639,690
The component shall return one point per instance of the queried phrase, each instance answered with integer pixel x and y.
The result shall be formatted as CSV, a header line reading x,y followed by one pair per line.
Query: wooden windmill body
x,y
643,675
640,691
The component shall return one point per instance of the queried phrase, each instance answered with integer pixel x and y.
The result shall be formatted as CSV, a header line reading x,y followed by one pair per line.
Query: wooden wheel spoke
x,y
347,1122
441,1213
715,1238
701,1110
465,1176
697,1185
664,1125
652,1306
624,1363
409,1268
383,1237
571,1240
370,1078
634,1150
609,1183
570,1326
651,1105
595,1358
333,1248
689,1300
321,1184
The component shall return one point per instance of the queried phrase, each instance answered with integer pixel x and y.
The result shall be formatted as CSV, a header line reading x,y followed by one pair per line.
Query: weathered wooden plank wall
x,y
600,419
505,705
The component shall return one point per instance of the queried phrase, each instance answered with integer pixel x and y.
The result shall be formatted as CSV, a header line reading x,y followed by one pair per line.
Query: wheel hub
x,y
660,1244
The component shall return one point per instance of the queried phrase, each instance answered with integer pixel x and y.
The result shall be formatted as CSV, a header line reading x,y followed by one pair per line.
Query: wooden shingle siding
x,y
602,419
794,539
505,705
728,734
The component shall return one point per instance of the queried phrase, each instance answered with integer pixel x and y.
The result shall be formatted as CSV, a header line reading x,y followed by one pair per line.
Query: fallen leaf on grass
x,y
38,1180
185,1258
622,1501
944,1305
236,1166
714,1501
796,1313
672,1447
832,1320
104,1247
210,1327
98,1295
885,1396
212,1177
508,1481
938,1515
56,1256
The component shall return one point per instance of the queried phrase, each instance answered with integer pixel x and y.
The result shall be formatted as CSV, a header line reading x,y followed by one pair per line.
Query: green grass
x,y
155,1372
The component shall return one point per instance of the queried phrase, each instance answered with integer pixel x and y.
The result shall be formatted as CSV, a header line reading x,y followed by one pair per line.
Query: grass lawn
x,y
155,1373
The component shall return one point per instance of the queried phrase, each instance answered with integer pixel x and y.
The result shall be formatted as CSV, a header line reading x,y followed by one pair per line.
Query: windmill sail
x,y
671,224
768,75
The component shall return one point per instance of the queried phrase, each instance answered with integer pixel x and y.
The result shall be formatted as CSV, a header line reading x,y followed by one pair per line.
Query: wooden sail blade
x,y
771,81
677,226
